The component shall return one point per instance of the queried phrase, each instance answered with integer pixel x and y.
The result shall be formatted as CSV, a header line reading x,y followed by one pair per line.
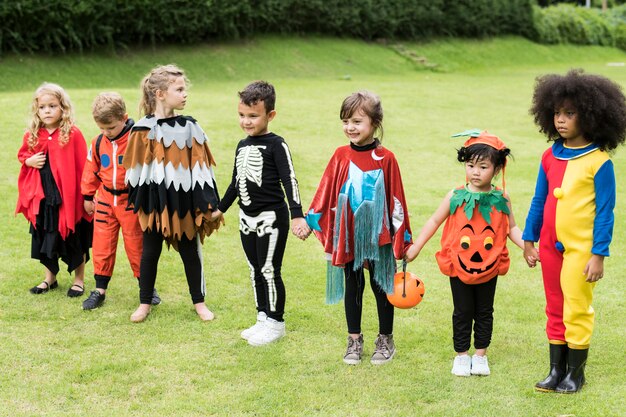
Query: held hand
x,y
300,228
594,270
36,161
215,215
89,207
531,255
411,253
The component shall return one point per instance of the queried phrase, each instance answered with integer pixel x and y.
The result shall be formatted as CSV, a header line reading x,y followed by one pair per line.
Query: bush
x,y
571,24
75,25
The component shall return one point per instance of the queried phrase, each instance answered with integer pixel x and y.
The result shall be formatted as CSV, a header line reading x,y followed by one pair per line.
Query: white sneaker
x,y
480,365
271,331
462,365
260,322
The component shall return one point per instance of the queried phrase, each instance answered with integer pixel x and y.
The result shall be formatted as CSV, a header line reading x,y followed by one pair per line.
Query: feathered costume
x,y
571,215
359,214
170,177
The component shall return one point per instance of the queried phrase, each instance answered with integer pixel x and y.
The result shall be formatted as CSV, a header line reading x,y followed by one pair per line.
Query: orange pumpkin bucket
x,y
408,289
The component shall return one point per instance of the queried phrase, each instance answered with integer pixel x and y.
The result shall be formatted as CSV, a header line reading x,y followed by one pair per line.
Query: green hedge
x,y
573,24
75,25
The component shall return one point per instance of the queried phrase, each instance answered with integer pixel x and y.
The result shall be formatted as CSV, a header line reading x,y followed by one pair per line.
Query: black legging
x,y
472,303
264,238
192,261
353,301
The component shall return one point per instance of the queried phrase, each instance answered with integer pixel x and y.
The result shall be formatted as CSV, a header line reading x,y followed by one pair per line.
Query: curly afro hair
x,y
599,102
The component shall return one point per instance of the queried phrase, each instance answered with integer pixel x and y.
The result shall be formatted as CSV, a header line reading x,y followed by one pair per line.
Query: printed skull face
x,y
478,249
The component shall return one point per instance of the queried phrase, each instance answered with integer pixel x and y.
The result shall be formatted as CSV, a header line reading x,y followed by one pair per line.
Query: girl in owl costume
x,y
171,185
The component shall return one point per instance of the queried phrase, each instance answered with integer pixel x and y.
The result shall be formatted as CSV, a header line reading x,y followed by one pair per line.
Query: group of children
x,y
154,180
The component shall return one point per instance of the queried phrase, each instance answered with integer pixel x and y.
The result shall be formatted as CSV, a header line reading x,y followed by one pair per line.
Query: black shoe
x,y
156,300
574,379
558,365
48,287
75,293
94,300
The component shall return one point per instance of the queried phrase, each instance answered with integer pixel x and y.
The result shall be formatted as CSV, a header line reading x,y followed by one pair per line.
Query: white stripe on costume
x,y
263,225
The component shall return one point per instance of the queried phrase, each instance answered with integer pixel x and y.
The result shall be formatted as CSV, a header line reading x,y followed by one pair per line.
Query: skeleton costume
x,y
172,189
262,164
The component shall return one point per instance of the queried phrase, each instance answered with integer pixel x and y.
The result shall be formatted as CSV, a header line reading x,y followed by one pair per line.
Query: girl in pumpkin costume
x,y
571,214
473,251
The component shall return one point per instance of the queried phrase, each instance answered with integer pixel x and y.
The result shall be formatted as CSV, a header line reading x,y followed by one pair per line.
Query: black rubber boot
x,y
575,376
558,361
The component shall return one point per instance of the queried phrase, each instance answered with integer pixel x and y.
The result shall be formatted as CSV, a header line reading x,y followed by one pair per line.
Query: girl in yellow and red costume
x,y
359,214
571,214
479,218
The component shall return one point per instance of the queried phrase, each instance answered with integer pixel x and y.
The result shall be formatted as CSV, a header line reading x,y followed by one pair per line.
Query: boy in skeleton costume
x,y
262,164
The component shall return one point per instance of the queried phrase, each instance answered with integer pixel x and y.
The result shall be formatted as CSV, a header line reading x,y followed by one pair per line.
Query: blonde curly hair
x,y
67,115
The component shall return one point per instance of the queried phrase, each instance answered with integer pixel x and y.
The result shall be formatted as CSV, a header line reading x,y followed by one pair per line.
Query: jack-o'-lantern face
x,y
477,249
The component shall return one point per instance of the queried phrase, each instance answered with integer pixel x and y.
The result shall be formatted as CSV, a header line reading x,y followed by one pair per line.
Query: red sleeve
x,y
25,152
30,190
402,236
321,217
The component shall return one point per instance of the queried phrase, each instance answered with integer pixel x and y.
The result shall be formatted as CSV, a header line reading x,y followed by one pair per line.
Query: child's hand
x,y
36,161
215,215
89,207
300,228
594,270
411,253
531,255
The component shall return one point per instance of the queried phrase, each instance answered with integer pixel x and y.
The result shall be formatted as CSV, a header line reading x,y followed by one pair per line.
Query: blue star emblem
x,y
313,220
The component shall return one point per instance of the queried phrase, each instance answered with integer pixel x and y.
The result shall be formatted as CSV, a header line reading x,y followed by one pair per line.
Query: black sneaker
x,y
156,300
94,300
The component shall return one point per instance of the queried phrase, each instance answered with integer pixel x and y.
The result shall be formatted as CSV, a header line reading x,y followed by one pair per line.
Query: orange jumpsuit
x,y
103,181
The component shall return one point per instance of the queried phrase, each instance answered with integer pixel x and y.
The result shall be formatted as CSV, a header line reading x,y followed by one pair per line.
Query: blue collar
x,y
561,152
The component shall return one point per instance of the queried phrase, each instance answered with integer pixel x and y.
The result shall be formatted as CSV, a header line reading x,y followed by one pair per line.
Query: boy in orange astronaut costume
x,y
106,196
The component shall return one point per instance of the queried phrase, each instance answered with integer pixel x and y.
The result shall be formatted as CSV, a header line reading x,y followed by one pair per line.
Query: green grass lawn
x,y
59,360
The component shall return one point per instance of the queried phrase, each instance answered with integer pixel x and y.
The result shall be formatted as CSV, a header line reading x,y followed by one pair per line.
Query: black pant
x,y
264,238
191,254
353,301
472,303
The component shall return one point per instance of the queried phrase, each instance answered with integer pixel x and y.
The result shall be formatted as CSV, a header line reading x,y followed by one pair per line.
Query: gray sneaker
x,y
354,351
385,349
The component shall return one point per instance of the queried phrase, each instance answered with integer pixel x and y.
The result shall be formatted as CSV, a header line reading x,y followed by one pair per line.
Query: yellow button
x,y
558,193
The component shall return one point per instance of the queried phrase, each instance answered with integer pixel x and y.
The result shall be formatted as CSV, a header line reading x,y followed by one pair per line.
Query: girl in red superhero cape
x,y
52,155
571,213
479,218
360,216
